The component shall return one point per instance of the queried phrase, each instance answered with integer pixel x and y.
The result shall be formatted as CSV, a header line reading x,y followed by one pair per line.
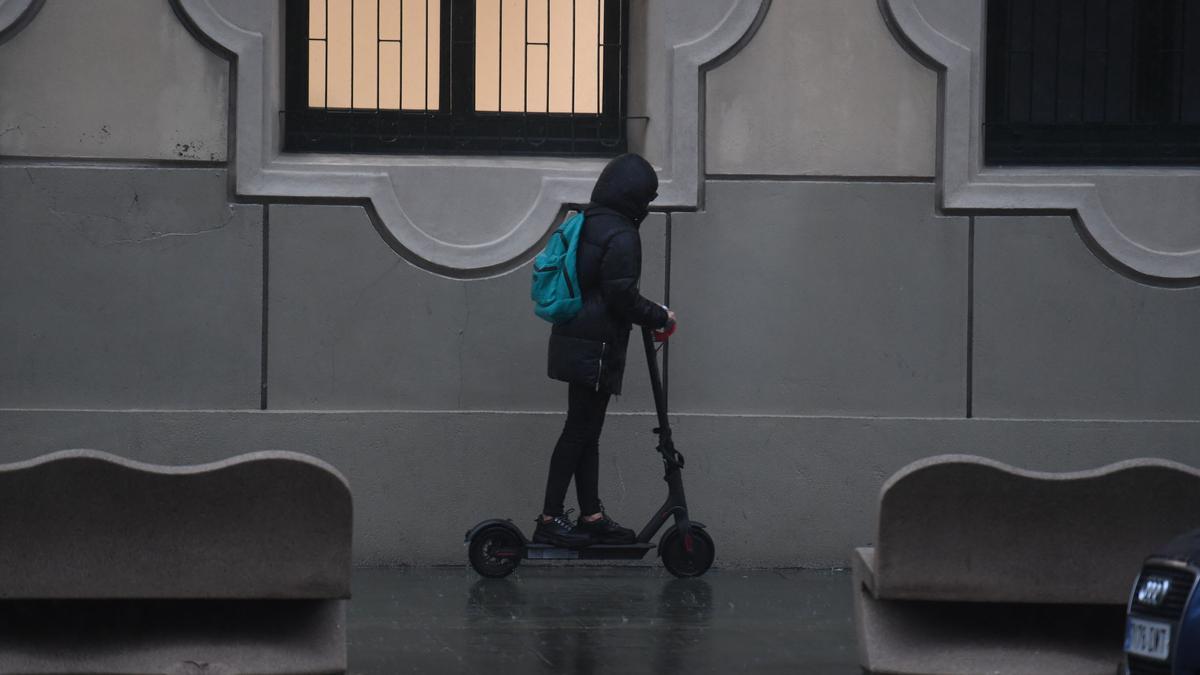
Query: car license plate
x,y
1150,639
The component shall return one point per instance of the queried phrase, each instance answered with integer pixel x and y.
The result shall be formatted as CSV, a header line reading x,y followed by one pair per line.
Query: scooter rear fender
x,y
501,522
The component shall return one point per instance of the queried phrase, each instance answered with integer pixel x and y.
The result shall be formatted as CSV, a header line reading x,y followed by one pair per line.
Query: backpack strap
x,y
593,210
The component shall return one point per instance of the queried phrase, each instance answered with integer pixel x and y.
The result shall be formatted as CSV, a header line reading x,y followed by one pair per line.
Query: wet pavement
x,y
588,619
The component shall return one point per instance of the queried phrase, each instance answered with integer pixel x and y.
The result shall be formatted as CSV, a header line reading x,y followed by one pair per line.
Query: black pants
x,y
578,451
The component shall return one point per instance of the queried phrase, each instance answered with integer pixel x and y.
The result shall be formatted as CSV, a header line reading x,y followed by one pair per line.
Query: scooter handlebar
x,y
662,334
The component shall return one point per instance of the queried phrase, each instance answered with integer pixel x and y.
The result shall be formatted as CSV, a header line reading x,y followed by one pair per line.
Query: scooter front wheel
x,y
495,551
679,560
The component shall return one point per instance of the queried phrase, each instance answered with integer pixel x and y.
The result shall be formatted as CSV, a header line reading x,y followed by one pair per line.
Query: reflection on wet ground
x,y
601,620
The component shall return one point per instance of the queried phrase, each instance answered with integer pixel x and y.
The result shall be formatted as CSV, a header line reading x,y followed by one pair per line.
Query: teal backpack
x,y
556,294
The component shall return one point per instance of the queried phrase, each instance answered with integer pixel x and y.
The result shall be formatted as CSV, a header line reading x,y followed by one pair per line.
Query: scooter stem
x,y
666,446
660,404
676,503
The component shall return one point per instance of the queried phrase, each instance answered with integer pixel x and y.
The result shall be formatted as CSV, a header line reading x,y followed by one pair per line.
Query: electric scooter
x,y
496,547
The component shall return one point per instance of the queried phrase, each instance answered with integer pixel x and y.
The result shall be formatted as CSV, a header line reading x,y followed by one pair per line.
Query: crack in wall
x,y
78,221
154,236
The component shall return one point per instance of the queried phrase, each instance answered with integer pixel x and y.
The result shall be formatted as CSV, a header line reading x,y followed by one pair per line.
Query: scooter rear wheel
x,y
681,562
484,546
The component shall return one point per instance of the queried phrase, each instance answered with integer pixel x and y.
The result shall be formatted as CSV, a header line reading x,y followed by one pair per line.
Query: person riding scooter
x,y
588,351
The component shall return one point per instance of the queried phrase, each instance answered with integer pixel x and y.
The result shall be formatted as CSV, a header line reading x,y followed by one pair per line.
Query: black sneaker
x,y
605,530
560,531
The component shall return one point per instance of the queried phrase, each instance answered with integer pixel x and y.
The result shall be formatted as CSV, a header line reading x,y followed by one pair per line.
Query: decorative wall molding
x,y
1145,218
15,15
467,216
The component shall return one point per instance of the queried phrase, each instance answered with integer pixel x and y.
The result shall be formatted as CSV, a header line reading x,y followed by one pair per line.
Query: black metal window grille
x,y
1092,82
461,108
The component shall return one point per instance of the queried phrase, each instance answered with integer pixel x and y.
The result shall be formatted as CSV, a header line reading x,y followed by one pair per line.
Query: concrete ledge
x,y
862,563
82,524
965,528
980,567
946,638
113,566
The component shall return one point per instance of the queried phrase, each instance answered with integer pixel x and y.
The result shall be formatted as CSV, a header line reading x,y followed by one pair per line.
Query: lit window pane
x,y
375,54
389,19
421,49
389,75
366,49
337,51
487,55
539,55
316,20
316,73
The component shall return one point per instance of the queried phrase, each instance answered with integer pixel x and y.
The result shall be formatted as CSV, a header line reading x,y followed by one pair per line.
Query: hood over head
x,y
627,185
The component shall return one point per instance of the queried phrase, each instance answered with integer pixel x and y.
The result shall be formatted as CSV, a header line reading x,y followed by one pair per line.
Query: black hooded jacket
x,y
590,348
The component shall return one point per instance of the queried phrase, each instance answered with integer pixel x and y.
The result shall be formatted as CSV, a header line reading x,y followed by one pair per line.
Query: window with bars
x,y
532,77
1092,82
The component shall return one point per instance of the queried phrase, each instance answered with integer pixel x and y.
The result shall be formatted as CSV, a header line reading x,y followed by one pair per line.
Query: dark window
x,y
524,77
1093,82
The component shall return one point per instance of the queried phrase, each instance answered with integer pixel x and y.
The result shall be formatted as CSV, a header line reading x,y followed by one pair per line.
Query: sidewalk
x,y
601,620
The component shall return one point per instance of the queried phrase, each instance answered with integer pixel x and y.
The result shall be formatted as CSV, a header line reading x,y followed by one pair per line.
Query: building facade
x,y
859,283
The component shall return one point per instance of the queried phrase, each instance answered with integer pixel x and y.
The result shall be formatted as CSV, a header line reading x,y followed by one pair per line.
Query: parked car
x,y
1162,628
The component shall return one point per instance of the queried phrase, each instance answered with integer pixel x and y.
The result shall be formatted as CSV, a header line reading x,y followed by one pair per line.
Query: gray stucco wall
x,y
820,298
351,328
832,329
116,79
127,288
822,89
1059,335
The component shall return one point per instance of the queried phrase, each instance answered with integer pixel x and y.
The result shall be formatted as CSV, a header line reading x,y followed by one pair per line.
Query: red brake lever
x,y
666,332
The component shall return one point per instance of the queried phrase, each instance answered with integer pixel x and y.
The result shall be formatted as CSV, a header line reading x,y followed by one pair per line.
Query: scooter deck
x,y
594,552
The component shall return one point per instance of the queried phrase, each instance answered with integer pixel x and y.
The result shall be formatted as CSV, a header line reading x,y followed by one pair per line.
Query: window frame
x,y
456,127
1154,139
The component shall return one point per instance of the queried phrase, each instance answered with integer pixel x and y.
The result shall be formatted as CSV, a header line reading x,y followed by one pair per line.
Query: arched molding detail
x,y
474,234
948,36
15,15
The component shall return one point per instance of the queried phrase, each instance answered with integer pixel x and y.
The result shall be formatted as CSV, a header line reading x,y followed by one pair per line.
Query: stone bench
x,y
981,567
114,566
